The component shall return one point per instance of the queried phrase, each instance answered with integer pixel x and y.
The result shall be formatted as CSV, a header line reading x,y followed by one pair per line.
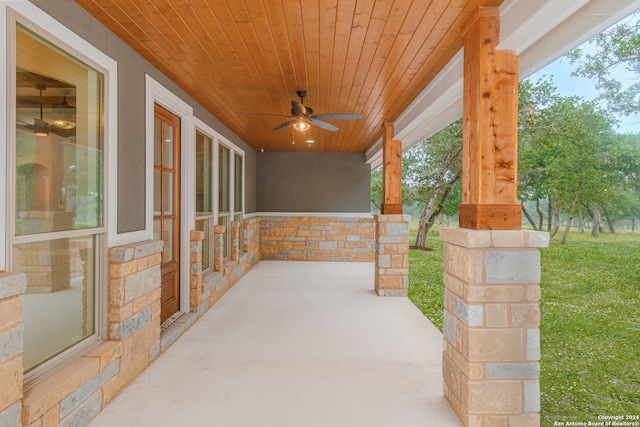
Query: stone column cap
x,y
473,239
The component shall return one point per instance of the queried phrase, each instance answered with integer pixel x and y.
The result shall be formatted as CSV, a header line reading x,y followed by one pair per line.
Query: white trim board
x,y
311,214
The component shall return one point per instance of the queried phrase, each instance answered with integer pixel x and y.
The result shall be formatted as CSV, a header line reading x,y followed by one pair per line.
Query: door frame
x,y
156,93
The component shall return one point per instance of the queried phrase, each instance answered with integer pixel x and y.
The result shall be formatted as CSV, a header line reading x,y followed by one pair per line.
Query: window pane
x,y
223,179
59,141
157,142
168,146
204,175
203,225
168,193
58,303
157,230
157,192
237,185
59,181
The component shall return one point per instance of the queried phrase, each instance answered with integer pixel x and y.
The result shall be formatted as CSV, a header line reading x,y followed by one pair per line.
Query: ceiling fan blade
x,y
22,101
285,124
337,116
323,125
298,108
266,114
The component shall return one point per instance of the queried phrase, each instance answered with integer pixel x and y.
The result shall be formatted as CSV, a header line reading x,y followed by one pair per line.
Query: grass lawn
x,y
590,322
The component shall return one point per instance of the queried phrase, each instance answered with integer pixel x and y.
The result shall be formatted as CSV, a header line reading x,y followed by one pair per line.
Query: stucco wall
x,y
131,109
312,182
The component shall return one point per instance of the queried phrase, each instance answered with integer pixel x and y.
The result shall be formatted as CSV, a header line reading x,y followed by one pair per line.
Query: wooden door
x,y
166,205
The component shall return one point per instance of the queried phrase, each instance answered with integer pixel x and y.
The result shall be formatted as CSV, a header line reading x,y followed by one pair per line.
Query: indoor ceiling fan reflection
x,y
42,127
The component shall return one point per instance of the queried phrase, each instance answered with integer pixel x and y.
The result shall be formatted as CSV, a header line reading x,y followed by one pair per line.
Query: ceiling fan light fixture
x,y
301,126
64,124
40,128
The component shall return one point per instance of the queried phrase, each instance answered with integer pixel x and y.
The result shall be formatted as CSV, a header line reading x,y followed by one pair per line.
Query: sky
x,y
568,85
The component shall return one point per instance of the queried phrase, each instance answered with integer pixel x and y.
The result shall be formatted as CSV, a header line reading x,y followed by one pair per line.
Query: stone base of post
x,y
491,358
11,343
392,255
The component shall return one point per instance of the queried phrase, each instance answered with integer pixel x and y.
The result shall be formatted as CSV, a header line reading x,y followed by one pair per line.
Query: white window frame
x,y
199,125
34,19
241,211
156,93
233,150
218,139
229,214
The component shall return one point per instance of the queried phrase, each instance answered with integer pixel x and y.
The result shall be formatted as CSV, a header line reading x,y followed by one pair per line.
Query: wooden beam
x,y
391,172
490,135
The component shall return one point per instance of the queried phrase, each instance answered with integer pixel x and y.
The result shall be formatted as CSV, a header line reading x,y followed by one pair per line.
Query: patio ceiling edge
x,y
539,32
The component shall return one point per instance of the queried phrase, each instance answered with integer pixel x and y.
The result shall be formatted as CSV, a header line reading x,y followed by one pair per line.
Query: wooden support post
x,y
490,136
391,172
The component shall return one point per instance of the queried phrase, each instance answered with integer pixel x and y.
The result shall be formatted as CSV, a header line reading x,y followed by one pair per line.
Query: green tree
x,y
533,178
568,155
433,169
617,48
376,189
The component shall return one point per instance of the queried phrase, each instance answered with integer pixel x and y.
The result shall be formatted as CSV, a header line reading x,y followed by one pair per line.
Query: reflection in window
x,y
238,197
224,195
58,189
204,195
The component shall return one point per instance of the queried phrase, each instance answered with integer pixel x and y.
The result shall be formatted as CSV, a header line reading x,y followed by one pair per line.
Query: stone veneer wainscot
x,y
317,238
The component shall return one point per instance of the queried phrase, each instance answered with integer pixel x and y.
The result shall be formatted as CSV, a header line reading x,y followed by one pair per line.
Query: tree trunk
x,y
580,222
540,214
426,214
608,217
595,214
422,229
565,236
526,214
556,220
549,215
429,215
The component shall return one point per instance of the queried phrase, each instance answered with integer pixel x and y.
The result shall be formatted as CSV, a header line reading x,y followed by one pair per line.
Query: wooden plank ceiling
x,y
367,57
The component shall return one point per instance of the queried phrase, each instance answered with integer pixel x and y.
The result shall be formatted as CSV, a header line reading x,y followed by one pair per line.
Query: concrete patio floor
x,y
295,344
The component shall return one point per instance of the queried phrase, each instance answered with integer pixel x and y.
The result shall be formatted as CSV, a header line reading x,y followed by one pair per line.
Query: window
x,y
204,195
217,201
238,196
224,195
57,231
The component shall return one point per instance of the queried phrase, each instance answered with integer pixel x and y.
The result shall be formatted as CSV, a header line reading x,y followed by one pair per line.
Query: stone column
x,y
195,295
251,236
134,303
11,344
491,358
218,247
235,240
392,255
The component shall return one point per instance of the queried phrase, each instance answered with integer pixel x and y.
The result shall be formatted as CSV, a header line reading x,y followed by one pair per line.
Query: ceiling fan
x,y
303,117
42,127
